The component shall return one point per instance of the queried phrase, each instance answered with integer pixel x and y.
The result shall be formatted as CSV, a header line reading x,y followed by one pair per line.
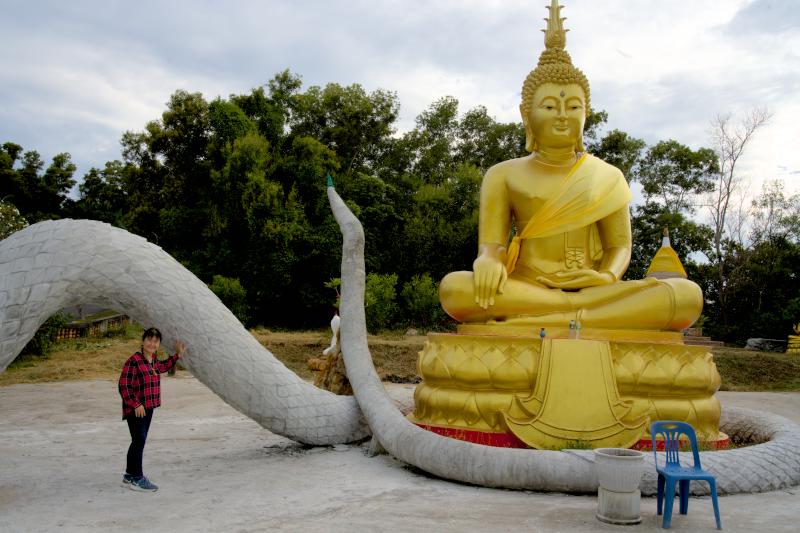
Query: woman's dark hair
x,y
151,332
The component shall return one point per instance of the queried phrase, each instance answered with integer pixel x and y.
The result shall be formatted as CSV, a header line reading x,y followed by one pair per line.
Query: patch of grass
x,y
294,349
77,359
394,355
747,370
80,359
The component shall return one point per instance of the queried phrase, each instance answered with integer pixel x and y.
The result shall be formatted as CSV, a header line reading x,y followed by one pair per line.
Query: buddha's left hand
x,y
576,279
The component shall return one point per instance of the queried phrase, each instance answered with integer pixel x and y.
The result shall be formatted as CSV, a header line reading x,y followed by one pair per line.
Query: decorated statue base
x,y
793,343
503,385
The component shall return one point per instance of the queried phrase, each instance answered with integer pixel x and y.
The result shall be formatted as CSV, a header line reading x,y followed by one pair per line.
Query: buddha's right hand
x,y
489,274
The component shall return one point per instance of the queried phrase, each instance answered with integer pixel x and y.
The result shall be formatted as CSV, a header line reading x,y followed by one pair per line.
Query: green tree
x,y
760,295
761,283
10,219
379,301
420,296
277,227
283,88
355,125
614,147
233,295
170,185
441,230
37,196
621,150
102,194
375,203
672,174
227,232
45,337
481,141
430,146
227,122
775,214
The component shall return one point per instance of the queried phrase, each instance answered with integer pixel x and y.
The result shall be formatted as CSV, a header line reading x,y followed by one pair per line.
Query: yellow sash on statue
x,y
587,194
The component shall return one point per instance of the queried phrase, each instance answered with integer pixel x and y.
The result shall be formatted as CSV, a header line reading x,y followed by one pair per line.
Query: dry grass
x,y
102,358
395,358
746,370
90,358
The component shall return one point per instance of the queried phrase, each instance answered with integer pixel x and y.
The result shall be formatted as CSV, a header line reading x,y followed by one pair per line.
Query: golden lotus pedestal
x,y
502,385
793,345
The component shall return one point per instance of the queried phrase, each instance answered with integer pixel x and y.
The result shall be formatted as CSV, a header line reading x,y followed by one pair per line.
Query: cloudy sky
x,y
75,75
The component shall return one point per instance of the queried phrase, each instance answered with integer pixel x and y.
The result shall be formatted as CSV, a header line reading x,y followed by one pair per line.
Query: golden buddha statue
x,y
570,214
553,347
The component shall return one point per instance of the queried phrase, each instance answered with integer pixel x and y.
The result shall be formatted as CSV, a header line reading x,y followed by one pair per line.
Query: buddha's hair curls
x,y
555,66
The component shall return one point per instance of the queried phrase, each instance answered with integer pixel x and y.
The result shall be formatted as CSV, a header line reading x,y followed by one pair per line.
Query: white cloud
x,y
78,74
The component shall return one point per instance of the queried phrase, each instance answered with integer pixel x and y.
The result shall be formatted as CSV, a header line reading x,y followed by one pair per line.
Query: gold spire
x,y
555,36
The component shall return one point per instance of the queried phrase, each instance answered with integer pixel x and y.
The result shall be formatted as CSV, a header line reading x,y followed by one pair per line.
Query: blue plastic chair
x,y
673,473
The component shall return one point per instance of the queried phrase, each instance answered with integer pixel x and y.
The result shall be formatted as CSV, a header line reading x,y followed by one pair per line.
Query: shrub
x,y
420,298
379,301
45,336
233,295
10,220
335,284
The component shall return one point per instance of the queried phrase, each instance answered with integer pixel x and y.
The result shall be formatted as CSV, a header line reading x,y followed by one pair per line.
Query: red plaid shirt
x,y
140,382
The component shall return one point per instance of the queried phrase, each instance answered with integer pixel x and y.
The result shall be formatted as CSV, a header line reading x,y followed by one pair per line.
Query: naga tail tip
x,y
330,181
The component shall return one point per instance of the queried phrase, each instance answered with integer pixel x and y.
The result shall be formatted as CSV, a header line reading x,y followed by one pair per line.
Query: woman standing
x,y
140,388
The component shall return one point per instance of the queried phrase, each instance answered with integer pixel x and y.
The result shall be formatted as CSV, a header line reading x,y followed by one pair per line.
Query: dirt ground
x,y
62,454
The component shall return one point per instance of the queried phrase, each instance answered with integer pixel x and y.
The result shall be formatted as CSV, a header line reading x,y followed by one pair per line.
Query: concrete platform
x,y
62,454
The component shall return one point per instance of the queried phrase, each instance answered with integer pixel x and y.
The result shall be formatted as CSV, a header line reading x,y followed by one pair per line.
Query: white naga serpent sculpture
x,y
55,264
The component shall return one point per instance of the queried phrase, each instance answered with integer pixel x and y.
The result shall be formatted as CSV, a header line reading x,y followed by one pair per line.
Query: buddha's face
x,y
557,115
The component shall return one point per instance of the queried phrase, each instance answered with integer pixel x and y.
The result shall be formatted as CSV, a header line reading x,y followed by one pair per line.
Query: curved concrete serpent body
x,y
769,466
55,264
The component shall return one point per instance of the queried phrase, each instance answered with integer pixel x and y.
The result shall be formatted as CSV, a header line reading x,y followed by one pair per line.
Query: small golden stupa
x,y
666,263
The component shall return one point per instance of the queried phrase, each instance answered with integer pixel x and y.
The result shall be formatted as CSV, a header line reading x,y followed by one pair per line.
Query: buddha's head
x,y
554,88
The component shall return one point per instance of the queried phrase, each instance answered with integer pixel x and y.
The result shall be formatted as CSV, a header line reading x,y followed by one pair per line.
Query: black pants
x,y
138,428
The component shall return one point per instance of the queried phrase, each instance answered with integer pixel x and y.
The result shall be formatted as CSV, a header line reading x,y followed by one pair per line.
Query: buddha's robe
x,y
558,231
583,197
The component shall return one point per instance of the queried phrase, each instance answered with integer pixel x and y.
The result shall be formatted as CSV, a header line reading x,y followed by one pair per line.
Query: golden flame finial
x,y
555,36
